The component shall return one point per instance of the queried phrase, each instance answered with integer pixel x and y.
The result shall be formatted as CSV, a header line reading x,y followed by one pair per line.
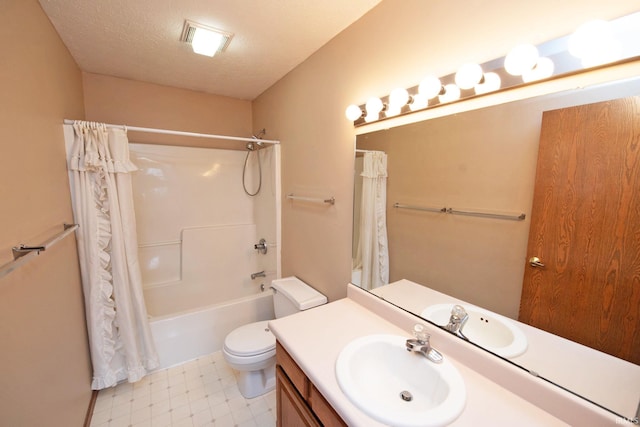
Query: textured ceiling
x,y
140,39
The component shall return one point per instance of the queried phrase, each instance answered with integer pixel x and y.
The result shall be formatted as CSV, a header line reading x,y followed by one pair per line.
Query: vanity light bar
x,y
594,44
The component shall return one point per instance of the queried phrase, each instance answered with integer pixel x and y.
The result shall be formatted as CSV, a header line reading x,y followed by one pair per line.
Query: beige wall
x,y
44,355
121,101
396,44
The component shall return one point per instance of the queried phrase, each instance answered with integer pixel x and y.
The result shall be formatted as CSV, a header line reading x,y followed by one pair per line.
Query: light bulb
x,y
419,102
491,83
521,59
392,111
430,87
542,70
371,117
353,112
451,93
374,106
398,98
468,76
594,43
206,42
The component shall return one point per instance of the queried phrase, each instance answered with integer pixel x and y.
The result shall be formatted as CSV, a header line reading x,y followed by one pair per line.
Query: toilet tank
x,y
292,295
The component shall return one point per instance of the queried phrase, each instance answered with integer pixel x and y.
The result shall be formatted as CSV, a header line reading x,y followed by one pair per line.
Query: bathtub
x,y
189,334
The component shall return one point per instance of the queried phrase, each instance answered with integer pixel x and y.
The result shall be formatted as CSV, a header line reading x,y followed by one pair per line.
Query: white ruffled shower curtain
x,y
372,255
119,335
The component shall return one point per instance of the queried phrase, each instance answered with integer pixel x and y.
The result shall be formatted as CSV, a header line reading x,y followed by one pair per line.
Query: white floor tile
x,y
241,415
220,410
163,420
266,420
225,421
198,405
202,418
122,421
160,395
199,393
216,398
140,415
258,407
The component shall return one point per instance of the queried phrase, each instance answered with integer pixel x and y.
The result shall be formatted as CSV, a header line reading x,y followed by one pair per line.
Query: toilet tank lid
x,y
301,294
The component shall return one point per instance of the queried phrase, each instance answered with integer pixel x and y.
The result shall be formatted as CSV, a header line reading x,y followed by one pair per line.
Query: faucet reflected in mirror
x,y
484,160
457,321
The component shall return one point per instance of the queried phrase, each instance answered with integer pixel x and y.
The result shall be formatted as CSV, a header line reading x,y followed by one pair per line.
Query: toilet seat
x,y
248,341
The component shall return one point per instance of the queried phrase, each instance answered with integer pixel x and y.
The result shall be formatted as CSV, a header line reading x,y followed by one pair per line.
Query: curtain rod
x,y
181,133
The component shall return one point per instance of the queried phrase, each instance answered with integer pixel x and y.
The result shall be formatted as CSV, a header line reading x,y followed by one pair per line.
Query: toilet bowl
x,y
251,349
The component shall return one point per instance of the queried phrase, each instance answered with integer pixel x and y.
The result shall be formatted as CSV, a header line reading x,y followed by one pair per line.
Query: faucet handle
x,y
419,331
458,311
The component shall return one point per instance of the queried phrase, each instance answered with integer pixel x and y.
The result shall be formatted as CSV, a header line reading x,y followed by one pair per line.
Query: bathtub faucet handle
x,y
261,246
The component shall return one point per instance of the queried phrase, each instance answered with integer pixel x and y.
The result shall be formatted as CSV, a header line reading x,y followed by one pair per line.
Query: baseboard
x,y
92,405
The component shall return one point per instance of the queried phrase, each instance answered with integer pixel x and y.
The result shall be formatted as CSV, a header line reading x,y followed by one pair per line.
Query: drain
x,y
406,396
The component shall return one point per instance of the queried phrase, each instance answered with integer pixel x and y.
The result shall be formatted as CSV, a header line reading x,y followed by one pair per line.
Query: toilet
x,y
251,349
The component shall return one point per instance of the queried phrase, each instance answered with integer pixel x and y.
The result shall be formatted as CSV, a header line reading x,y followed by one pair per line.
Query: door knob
x,y
534,261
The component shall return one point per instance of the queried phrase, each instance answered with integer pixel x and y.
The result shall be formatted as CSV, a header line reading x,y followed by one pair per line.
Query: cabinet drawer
x,y
293,371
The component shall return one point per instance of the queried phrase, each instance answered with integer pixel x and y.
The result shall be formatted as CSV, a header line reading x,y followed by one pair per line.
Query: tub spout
x,y
258,274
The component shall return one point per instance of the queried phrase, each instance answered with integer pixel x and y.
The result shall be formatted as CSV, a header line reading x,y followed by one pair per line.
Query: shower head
x,y
252,146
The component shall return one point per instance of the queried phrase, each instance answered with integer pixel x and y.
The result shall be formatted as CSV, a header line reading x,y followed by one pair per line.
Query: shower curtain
x,y
373,251
119,335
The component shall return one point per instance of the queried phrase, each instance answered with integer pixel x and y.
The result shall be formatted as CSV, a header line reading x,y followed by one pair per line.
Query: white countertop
x,y
314,338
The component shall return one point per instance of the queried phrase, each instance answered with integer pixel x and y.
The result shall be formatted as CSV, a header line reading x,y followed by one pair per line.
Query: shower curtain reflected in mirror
x,y
372,255
119,335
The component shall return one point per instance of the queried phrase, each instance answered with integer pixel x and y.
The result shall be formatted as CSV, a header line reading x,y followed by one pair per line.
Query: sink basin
x,y
491,331
398,387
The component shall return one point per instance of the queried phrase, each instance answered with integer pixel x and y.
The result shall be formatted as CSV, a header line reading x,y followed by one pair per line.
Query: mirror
x,y
485,161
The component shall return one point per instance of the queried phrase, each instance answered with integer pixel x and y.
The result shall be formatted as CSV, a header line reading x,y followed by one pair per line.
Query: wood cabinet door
x,y
292,411
585,228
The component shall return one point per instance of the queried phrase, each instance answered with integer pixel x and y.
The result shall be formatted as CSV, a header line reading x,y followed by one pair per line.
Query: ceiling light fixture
x,y
205,40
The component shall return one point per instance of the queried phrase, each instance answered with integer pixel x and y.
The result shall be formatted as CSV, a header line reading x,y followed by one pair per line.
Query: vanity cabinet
x,y
299,401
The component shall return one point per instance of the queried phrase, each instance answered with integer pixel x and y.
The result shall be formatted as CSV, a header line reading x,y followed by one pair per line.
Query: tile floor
x,y
202,392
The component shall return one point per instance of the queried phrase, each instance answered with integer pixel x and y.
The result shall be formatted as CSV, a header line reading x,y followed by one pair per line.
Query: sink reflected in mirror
x,y
398,387
491,331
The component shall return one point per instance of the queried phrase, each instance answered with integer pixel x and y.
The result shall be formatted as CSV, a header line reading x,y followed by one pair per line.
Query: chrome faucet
x,y
457,321
420,344
258,274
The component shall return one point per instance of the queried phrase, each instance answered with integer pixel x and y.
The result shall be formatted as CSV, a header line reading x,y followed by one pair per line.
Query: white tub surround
x,y
497,392
197,228
216,267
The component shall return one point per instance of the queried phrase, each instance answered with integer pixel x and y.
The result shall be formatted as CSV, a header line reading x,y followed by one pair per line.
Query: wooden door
x,y
585,228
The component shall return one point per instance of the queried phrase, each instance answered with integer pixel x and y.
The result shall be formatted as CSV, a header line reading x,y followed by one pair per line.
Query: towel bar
x,y
331,200
22,253
512,217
